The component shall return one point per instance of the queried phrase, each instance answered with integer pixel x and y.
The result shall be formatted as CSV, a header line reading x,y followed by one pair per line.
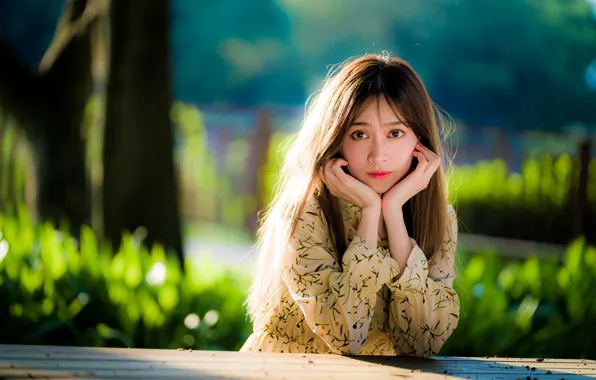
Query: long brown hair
x,y
328,116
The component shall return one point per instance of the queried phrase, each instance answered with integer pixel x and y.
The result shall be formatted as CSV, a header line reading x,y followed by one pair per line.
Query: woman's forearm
x,y
399,240
368,228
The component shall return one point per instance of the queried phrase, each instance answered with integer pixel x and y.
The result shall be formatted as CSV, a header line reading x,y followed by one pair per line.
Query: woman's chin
x,y
380,189
379,186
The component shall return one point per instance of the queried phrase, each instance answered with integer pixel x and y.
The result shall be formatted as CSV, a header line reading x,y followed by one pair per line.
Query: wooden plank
x,y
267,373
132,355
306,370
203,362
244,373
71,351
290,373
265,376
20,362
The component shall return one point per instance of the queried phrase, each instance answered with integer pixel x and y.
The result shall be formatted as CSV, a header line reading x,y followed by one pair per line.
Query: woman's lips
x,y
379,174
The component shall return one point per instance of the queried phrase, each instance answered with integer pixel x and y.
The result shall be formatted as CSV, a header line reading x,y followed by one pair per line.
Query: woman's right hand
x,y
343,185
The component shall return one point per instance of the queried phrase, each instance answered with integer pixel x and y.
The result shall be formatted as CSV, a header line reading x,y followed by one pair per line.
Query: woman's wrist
x,y
393,212
368,227
399,241
374,205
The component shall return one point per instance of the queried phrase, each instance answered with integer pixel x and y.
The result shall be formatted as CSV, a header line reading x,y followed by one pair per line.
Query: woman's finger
x,y
430,171
327,170
341,178
333,182
430,156
425,151
422,161
338,171
429,167
341,162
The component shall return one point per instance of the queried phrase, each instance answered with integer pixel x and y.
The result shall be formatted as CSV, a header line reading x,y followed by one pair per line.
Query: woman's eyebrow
x,y
367,124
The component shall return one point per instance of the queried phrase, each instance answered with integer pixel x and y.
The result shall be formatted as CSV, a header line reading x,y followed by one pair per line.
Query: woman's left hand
x,y
413,183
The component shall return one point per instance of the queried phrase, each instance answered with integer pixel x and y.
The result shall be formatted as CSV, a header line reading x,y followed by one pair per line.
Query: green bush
x,y
55,290
536,204
530,308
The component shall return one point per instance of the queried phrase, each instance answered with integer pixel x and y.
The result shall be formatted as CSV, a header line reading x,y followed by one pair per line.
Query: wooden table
x,y
52,362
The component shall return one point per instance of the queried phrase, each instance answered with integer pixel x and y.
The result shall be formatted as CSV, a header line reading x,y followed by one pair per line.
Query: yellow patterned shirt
x,y
359,309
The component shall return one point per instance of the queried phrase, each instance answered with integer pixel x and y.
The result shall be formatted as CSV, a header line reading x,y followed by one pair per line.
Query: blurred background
x,y
140,140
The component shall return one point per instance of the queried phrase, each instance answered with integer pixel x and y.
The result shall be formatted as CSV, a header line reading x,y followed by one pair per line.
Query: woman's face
x,y
378,147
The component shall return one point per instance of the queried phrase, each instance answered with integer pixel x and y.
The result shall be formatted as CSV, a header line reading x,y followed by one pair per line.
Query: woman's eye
x,y
358,135
396,133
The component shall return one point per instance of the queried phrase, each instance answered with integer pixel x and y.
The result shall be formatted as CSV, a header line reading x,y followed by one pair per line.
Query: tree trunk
x,y
49,107
259,152
63,186
140,184
581,199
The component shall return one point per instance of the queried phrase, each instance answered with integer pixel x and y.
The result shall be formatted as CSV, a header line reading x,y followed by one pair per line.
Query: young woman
x,y
356,253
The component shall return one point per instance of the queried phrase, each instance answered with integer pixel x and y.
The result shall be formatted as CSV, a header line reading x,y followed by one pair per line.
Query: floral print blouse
x,y
360,309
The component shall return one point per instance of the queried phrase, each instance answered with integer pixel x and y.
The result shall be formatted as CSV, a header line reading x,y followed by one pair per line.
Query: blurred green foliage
x,y
13,163
57,290
535,204
529,308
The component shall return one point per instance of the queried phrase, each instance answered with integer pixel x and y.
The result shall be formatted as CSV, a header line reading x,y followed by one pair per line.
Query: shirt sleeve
x,y
424,307
337,301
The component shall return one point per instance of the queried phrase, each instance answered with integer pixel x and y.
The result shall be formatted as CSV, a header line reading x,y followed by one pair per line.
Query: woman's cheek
x,y
410,161
408,158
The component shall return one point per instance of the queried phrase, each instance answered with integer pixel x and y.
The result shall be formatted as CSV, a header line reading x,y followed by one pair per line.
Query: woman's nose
x,y
378,152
